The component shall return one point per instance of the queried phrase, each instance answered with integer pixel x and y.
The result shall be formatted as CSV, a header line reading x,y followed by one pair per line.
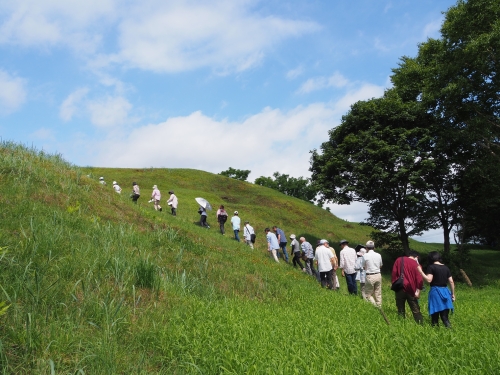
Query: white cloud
x,y
177,35
51,22
319,83
43,134
431,30
109,111
294,73
70,105
12,92
365,92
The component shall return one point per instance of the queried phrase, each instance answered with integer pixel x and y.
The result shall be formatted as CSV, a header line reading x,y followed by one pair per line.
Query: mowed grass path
x,y
97,285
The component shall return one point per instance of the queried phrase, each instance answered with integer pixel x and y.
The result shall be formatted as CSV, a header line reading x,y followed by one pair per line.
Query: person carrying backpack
x,y
222,218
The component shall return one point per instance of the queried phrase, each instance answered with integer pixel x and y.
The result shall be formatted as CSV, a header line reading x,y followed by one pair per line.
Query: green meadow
x,y
93,284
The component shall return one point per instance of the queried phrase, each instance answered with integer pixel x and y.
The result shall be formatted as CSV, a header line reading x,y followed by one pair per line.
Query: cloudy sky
x,y
205,84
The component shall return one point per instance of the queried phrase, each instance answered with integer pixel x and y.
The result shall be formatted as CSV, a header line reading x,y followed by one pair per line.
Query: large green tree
x,y
295,187
455,78
378,155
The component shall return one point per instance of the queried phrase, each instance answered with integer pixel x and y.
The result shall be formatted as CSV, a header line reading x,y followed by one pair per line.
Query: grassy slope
x,y
99,285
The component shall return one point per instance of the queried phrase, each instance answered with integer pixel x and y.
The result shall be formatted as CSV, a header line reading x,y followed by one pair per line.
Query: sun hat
x,y
101,178
114,182
361,252
322,242
370,245
155,187
292,236
343,241
236,212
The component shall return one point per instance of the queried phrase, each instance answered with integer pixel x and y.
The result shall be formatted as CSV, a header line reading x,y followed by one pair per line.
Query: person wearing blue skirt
x,y
440,298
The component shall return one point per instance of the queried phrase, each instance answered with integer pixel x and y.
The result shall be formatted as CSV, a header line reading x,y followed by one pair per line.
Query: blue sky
x,y
198,84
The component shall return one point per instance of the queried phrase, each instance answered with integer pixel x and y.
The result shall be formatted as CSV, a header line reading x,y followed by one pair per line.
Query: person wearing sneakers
x,y
372,263
295,245
326,261
156,196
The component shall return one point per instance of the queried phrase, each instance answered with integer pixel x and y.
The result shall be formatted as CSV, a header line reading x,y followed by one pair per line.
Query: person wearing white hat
x,y
156,196
101,181
326,261
117,187
372,263
236,222
295,245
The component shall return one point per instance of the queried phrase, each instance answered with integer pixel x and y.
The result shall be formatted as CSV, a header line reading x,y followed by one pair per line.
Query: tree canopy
x,y
295,187
237,174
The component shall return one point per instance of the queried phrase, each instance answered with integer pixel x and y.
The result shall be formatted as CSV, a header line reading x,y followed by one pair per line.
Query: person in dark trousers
x,y
412,285
203,217
173,202
221,219
440,298
309,252
136,192
295,245
347,263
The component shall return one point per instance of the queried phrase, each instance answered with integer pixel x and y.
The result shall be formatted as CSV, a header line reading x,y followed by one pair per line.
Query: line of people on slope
x,y
155,195
364,264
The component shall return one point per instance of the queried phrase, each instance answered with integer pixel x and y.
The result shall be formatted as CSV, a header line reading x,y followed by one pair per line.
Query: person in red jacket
x,y
413,283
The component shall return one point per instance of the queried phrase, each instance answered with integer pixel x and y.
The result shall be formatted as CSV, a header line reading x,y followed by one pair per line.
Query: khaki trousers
x,y
373,289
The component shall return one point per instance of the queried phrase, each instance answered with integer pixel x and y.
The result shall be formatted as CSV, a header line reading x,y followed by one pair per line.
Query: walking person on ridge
x,y
236,222
247,234
295,245
372,263
136,192
221,219
156,196
347,263
172,202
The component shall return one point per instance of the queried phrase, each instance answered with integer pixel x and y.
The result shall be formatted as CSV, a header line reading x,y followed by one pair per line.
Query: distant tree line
x,y
426,155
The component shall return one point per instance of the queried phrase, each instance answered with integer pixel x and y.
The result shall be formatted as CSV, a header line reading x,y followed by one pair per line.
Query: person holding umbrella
x,y
204,206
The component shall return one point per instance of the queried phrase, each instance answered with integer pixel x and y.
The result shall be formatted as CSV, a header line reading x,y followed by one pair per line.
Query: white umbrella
x,y
203,203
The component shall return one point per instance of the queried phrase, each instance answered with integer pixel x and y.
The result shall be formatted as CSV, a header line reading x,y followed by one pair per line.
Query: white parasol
x,y
203,203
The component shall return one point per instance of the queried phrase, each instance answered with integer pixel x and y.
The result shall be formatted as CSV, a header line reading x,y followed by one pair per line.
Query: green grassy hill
x,y
97,285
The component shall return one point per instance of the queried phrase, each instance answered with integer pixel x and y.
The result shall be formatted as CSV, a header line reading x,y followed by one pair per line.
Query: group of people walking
x,y
362,264
155,195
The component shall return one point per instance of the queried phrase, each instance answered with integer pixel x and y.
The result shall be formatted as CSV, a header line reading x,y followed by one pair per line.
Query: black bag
x,y
253,236
200,211
399,283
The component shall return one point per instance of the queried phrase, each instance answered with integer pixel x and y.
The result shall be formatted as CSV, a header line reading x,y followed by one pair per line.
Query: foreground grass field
x,y
97,285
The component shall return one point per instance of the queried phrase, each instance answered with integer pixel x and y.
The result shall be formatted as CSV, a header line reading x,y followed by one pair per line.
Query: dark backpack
x,y
222,218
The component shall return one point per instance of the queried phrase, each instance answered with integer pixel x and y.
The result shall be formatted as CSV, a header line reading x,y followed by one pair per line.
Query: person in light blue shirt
x,y
236,222
282,241
272,244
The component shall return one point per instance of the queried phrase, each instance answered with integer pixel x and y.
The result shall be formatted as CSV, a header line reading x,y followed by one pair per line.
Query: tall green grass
x,y
92,284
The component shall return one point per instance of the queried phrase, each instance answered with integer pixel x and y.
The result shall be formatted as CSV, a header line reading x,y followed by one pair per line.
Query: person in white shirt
x,y
325,261
360,271
136,192
372,263
101,181
117,187
172,202
156,196
347,263
247,233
